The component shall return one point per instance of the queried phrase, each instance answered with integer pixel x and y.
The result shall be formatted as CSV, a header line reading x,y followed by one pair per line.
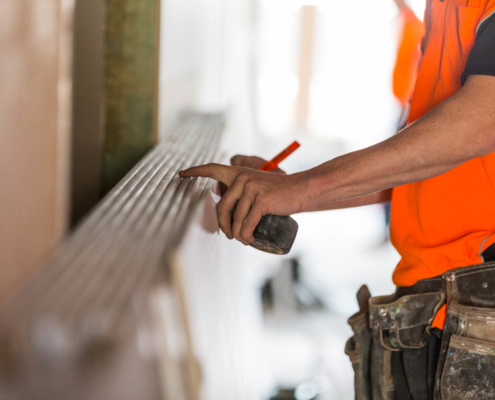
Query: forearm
x,y
459,129
374,198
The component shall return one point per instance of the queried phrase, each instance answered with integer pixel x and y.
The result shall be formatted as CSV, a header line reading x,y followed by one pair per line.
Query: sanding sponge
x,y
275,234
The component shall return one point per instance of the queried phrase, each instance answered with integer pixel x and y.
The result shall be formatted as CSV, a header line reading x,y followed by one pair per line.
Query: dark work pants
x,y
414,371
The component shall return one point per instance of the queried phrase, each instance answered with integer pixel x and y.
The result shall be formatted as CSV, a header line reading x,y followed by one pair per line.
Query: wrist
x,y
309,189
323,184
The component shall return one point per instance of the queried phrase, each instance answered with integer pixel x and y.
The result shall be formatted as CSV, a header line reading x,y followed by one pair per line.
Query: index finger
x,y
219,172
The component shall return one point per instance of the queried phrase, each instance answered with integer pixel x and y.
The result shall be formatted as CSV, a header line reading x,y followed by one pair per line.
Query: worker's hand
x,y
252,194
251,162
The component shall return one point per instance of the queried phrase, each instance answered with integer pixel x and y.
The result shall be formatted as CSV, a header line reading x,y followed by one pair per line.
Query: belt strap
x,y
435,284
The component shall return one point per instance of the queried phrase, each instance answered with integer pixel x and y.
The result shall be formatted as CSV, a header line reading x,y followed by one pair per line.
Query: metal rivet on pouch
x,y
382,312
451,278
393,324
377,324
485,285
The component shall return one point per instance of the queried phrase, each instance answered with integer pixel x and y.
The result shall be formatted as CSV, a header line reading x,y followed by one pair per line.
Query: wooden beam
x,y
95,289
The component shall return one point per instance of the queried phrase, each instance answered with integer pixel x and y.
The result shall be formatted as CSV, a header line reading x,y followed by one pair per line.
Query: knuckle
x,y
237,215
250,187
250,223
262,202
244,177
210,168
246,234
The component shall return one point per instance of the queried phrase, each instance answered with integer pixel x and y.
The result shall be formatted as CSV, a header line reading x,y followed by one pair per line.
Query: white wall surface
x,y
221,281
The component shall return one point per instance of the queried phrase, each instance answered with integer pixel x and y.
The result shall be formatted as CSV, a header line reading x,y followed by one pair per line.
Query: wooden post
x,y
35,119
87,116
131,85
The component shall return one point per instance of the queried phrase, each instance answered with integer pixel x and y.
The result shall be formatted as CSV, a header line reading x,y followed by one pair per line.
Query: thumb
x,y
247,161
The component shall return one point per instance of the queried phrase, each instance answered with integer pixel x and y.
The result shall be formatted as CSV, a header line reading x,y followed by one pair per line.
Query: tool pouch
x,y
403,323
466,368
371,364
382,382
358,347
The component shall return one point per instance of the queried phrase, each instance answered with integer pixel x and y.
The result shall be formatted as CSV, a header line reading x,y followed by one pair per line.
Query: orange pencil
x,y
273,163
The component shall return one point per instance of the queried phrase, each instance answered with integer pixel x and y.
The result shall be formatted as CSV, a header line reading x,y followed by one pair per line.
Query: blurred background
x,y
320,72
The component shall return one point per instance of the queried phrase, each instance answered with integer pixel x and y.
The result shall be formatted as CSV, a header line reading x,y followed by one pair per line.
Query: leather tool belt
x,y
402,322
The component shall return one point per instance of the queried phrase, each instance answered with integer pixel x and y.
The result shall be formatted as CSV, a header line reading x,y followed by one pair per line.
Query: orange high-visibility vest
x,y
447,221
408,56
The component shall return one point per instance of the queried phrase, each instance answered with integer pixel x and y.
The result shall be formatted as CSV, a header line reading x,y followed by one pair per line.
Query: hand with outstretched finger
x,y
251,194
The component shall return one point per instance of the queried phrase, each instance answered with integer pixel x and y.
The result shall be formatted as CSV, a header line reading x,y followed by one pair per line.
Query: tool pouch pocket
x,y
469,368
403,323
372,364
358,347
466,369
469,356
382,381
